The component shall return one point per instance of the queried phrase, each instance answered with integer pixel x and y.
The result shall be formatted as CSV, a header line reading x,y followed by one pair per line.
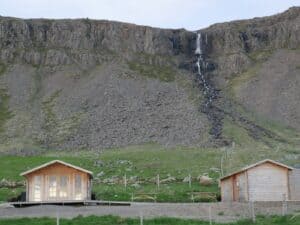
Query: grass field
x,y
145,162
112,220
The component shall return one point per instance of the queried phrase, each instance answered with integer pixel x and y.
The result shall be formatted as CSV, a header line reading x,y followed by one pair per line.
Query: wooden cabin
x,y
58,181
266,180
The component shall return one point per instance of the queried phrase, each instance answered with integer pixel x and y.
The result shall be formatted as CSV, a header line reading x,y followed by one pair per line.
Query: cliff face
x,y
97,84
60,42
258,63
236,45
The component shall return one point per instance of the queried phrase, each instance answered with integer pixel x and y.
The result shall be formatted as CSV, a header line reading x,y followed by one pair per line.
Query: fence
x,y
222,211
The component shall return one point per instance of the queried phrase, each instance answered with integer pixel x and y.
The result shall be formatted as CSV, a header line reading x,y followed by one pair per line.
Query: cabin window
x,y
78,187
52,186
63,189
37,188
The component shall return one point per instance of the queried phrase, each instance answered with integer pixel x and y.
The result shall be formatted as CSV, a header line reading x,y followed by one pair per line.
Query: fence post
x,y
252,211
190,181
157,181
209,214
57,217
284,205
141,218
125,181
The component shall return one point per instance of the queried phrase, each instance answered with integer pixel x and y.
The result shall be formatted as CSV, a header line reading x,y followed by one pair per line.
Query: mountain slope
x,y
85,84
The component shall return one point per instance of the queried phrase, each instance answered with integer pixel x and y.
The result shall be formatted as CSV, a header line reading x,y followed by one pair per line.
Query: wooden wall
x,y
227,189
268,182
294,179
58,169
241,186
234,188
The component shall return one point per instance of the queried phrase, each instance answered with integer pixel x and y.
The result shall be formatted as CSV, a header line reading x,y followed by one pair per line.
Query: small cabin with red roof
x,y
58,181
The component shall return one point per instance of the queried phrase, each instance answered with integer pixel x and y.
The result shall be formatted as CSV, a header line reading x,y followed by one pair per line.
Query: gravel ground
x,y
220,212
149,210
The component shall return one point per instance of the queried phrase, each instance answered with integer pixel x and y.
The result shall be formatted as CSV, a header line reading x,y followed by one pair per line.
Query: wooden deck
x,y
71,203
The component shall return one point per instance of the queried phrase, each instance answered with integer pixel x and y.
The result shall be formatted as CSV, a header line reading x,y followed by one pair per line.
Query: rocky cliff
x,y
97,84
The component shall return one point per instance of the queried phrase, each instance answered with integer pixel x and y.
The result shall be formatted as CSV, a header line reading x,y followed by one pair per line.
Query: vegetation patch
x,y
163,73
3,68
257,57
143,163
5,113
50,117
260,56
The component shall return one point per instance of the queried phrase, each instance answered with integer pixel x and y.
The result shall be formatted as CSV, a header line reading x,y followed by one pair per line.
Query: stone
x,y
133,178
99,163
100,174
135,185
11,184
186,179
168,180
206,180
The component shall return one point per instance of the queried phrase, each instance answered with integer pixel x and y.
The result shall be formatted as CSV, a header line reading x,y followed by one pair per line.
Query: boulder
x,y
168,180
206,180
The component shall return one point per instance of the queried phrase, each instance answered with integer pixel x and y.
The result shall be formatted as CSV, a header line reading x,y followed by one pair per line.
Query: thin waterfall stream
x,y
210,93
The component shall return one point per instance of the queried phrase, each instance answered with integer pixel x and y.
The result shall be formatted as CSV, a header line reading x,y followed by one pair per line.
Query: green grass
x,y
3,68
163,73
114,220
247,150
145,162
169,192
9,193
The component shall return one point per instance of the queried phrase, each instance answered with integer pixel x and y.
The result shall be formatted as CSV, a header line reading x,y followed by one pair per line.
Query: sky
x,y
188,14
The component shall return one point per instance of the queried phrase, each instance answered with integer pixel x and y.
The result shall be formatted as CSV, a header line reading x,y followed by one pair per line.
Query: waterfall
x,y
198,43
201,65
207,87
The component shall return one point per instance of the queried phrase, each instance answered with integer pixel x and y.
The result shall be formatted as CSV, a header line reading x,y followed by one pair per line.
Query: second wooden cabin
x,y
266,180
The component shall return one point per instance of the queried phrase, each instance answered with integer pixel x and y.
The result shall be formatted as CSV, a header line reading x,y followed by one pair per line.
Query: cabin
x,y
58,181
266,180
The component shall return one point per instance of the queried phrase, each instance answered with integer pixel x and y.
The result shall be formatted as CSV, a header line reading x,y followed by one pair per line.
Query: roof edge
x,y
53,162
256,164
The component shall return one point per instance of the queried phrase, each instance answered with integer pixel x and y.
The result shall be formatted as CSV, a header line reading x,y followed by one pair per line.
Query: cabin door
x,y
37,189
58,187
235,187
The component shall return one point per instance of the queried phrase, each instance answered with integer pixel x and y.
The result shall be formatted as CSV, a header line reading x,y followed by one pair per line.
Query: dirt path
x,y
149,210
